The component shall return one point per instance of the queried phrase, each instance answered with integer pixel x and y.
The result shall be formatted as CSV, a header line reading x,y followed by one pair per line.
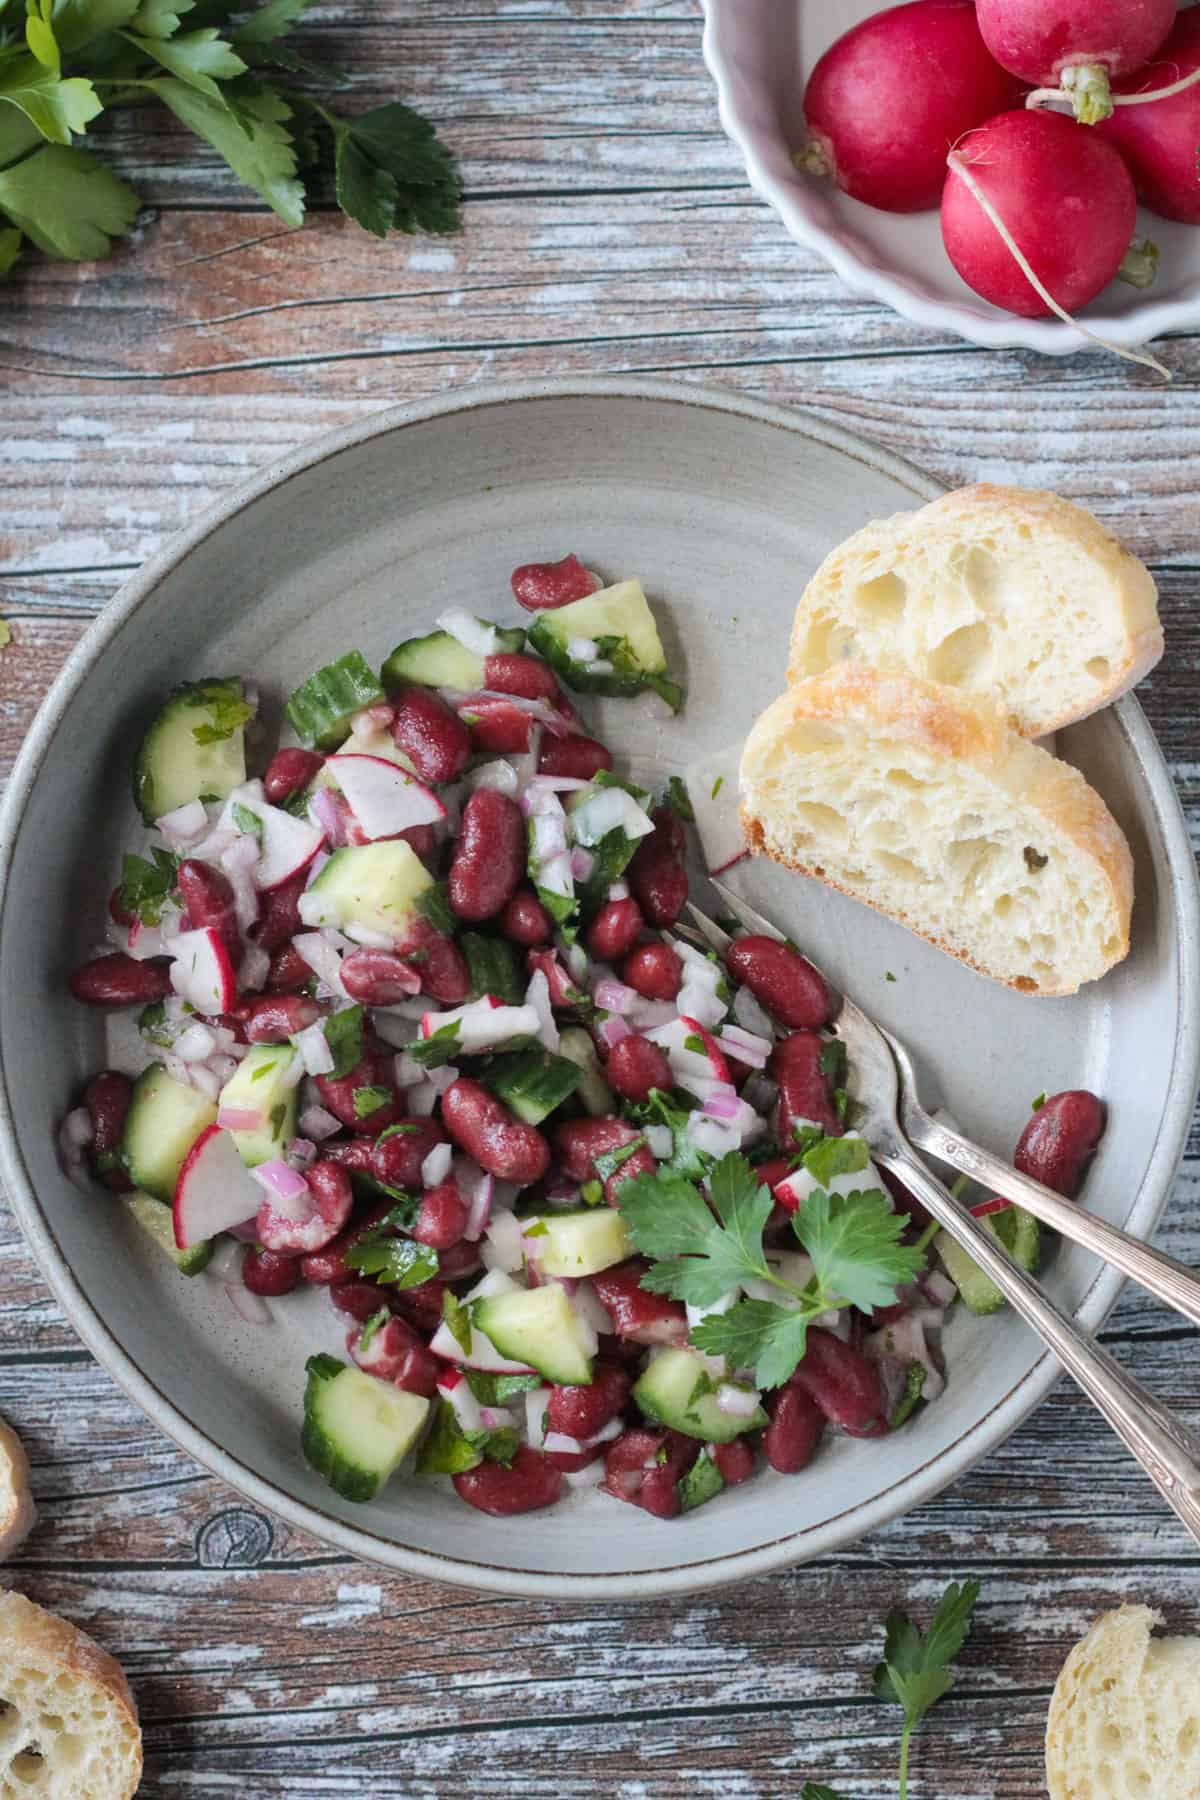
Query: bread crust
x,y
969,511
955,728
31,1637
18,1514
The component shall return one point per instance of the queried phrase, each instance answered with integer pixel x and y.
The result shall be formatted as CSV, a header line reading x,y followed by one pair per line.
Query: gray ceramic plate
x,y
723,508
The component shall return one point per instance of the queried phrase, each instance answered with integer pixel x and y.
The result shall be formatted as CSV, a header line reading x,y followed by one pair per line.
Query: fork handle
x,y
1166,1449
1171,1282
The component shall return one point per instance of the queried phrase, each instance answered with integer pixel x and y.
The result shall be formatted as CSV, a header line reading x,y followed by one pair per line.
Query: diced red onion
x,y
406,1073
436,1166
377,940
576,959
318,1124
481,1191
176,1068
144,941
628,1481
555,875
711,1136
696,1000
582,864
254,968
589,1476
315,1055
183,824
560,1443
736,1402
548,836
613,1030
723,1106
223,1067
328,816
497,774
618,890
745,1047
225,1257
301,1153
245,1233
751,1015
77,1129
609,809
537,995
660,1141
541,710
240,1118
651,1015
614,997
196,1044
594,1314
495,1418
290,1193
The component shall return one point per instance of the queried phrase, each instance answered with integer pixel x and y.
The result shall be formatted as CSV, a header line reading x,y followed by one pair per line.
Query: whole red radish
x,y
889,99
1159,139
1065,197
1078,45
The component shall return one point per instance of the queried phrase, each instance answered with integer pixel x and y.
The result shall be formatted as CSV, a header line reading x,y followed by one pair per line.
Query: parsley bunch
x,y
703,1247
217,65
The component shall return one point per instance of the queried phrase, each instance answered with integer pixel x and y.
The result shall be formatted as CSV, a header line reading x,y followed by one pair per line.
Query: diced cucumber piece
x,y
582,1243
164,1120
494,968
154,1217
321,708
677,1390
195,749
532,1082
619,622
702,1482
594,1092
449,1450
439,660
1018,1232
378,743
376,886
260,1083
539,1327
357,1429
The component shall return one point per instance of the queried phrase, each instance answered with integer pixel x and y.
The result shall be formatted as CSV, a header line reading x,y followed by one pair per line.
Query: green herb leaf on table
x,y
915,1671
199,58
271,21
251,137
156,18
392,171
57,107
67,203
813,1791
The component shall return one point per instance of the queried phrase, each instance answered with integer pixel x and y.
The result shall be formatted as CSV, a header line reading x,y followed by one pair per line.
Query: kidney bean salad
x,y
425,1030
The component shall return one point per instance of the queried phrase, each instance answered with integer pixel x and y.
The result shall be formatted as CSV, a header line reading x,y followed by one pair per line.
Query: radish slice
x,y
483,1354
215,1190
382,797
712,786
184,824
482,1025
609,809
201,972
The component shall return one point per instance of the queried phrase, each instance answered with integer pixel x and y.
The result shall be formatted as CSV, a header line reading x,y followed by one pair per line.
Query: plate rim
x,y
854,1521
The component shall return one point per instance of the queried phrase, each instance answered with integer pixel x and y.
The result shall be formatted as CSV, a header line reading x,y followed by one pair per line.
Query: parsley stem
x,y
905,1741
927,1236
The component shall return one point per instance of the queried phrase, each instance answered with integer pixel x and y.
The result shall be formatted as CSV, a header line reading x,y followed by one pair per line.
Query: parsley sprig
x,y
702,1248
915,1671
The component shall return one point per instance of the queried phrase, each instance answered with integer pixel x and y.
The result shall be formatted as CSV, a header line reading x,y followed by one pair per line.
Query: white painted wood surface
x,y
609,228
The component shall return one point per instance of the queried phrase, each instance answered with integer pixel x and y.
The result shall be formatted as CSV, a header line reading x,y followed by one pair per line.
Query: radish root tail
x,y
960,168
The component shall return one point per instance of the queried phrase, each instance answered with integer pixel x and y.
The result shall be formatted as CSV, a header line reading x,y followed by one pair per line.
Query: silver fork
x,y
885,1087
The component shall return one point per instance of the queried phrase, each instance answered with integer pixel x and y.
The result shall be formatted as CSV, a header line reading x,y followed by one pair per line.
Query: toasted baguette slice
x,y
1124,1719
925,804
994,590
17,1513
68,1725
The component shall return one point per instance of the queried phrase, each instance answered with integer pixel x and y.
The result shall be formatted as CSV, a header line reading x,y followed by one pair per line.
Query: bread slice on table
x,y
994,590
921,801
1124,1719
17,1512
68,1724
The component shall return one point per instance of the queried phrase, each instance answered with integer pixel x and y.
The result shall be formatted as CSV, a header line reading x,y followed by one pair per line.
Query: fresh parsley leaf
x,y
247,821
434,905
457,1318
368,1100
253,139
373,1325
806,1136
888,976
199,58
11,241
344,1035
915,1672
78,22
157,18
494,1390
273,20
66,202
398,1261
609,1161
699,1258
679,800
1040,1101
695,1044
854,1242
146,884
56,107
592,1193
717,785
611,856
832,1156
674,1110
438,1049
832,1060
914,1387
756,1334
226,710
404,1128
813,1791
393,173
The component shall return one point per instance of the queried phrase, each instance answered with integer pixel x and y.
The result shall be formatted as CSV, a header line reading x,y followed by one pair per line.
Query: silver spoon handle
x,y
1166,1449
1171,1282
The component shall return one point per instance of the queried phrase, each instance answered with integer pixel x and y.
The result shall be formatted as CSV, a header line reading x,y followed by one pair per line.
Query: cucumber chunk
x,y
154,1217
1017,1231
260,1082
439,660
195,749
164,1120
532,1083
677,1390
539,1327
321,708
375,886
583,1243
597,1097
494,968
357,1429
702,1482
619,622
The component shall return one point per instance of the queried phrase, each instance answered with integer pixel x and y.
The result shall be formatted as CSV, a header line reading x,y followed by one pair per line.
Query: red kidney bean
x,y
106,1098
325,1266
329,1185
440,964
279,912
528,677
804,1091
270,1272
578,1142
499,1141
273,1018
422,1305
537,586
569,1461
395,1353
289,972
531,1482
489,855
656,874
580,1412
735,1461
575,755
643,1317
563,991
499,727
120,915
614,930
431,734
786,983
290,770
421,838
207,895
1060,1139
635,1065
396,1160
337,1093
843,1384
633,1470
654,971
525,920
117,980
377,977
443,1216
790,1440
359,1298
459,1261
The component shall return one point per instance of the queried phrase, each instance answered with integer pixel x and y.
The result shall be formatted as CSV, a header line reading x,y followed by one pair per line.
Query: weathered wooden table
x,y
609,228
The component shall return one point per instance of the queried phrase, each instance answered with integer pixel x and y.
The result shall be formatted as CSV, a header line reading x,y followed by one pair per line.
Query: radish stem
x,y
1140,265
956,164
814,159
